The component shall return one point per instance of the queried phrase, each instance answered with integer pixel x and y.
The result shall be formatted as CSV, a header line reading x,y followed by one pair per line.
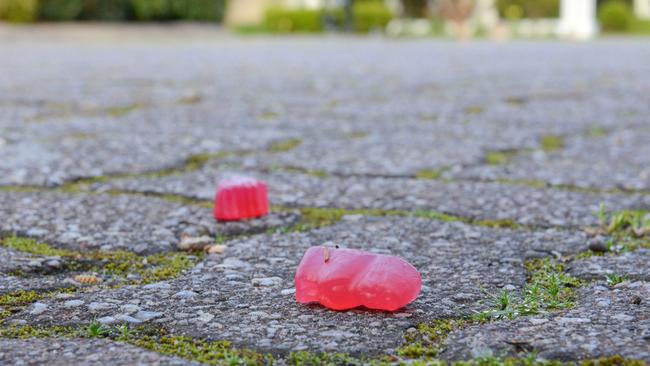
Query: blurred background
x,y
462,19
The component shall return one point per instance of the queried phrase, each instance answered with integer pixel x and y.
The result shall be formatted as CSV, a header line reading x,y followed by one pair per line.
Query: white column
x,y
642,9
578,19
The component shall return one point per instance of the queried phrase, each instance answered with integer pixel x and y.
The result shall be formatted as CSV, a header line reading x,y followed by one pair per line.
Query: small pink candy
x,y
346,278
240,198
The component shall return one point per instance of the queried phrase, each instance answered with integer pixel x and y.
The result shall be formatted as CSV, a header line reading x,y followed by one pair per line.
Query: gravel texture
x,y
108,222
245,295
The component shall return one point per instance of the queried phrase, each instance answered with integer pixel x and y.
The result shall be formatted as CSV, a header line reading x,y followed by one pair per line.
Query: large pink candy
x,y
346,278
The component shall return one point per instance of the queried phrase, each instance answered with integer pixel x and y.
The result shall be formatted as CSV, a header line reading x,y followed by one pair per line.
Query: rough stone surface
x,y
240,297
631,266
620,160
605,322
109,222
476,200
63,352
329,122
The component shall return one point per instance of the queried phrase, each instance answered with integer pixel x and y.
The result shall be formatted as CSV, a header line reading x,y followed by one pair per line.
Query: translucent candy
x,y
240,198
346,278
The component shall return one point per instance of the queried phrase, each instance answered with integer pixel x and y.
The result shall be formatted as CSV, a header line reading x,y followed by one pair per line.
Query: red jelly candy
x,y
240,198
346,278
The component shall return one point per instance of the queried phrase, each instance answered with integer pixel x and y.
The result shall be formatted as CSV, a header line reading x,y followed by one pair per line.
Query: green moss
x,y
284,146
428,174
19,298
119,111
305,358
498,224
428,338
551,142
208,352
153,268
499,157
27,332
613,361
31,246
474,110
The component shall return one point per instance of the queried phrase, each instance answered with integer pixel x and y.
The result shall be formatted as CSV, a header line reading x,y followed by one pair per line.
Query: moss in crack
x,y
548,288
284,146
426,340
13,302
474,110
550,143
305,358
152,268
356,135
501,157
119,111
429,174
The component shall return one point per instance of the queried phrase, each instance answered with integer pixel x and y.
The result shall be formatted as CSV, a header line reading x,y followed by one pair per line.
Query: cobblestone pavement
x,y
515,177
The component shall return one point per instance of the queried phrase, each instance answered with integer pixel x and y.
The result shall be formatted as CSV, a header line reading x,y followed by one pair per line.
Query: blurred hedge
x,y
18,10
371,15
368,15
517,9
615,16
111,10
281,20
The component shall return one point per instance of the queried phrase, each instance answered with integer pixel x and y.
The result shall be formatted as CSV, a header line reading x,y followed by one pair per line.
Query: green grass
x,y
548,288
284,146
629,230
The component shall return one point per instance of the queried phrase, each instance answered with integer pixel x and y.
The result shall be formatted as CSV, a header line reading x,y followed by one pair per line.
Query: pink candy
x,y
346,278
240,198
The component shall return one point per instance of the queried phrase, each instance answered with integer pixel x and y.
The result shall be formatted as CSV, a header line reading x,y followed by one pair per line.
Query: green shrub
x,y
517,9
201,10
370,16
111,10
18,10
615,16
61,10
152,9
280,20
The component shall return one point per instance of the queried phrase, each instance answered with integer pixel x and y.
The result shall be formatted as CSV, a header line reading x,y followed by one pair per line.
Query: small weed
x,y
614,279
629,229
96,330
124,331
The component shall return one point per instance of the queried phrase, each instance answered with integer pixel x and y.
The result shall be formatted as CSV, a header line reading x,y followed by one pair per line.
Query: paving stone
x,y
619,160
109,222
477,200
605,322
79,352
12,261
247,290
631,266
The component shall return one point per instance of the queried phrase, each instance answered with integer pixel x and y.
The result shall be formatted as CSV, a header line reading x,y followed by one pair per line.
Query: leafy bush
x,y
517,9
615,16
59,9
280,20
369,16
18,10
152,9
201,10
111,10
